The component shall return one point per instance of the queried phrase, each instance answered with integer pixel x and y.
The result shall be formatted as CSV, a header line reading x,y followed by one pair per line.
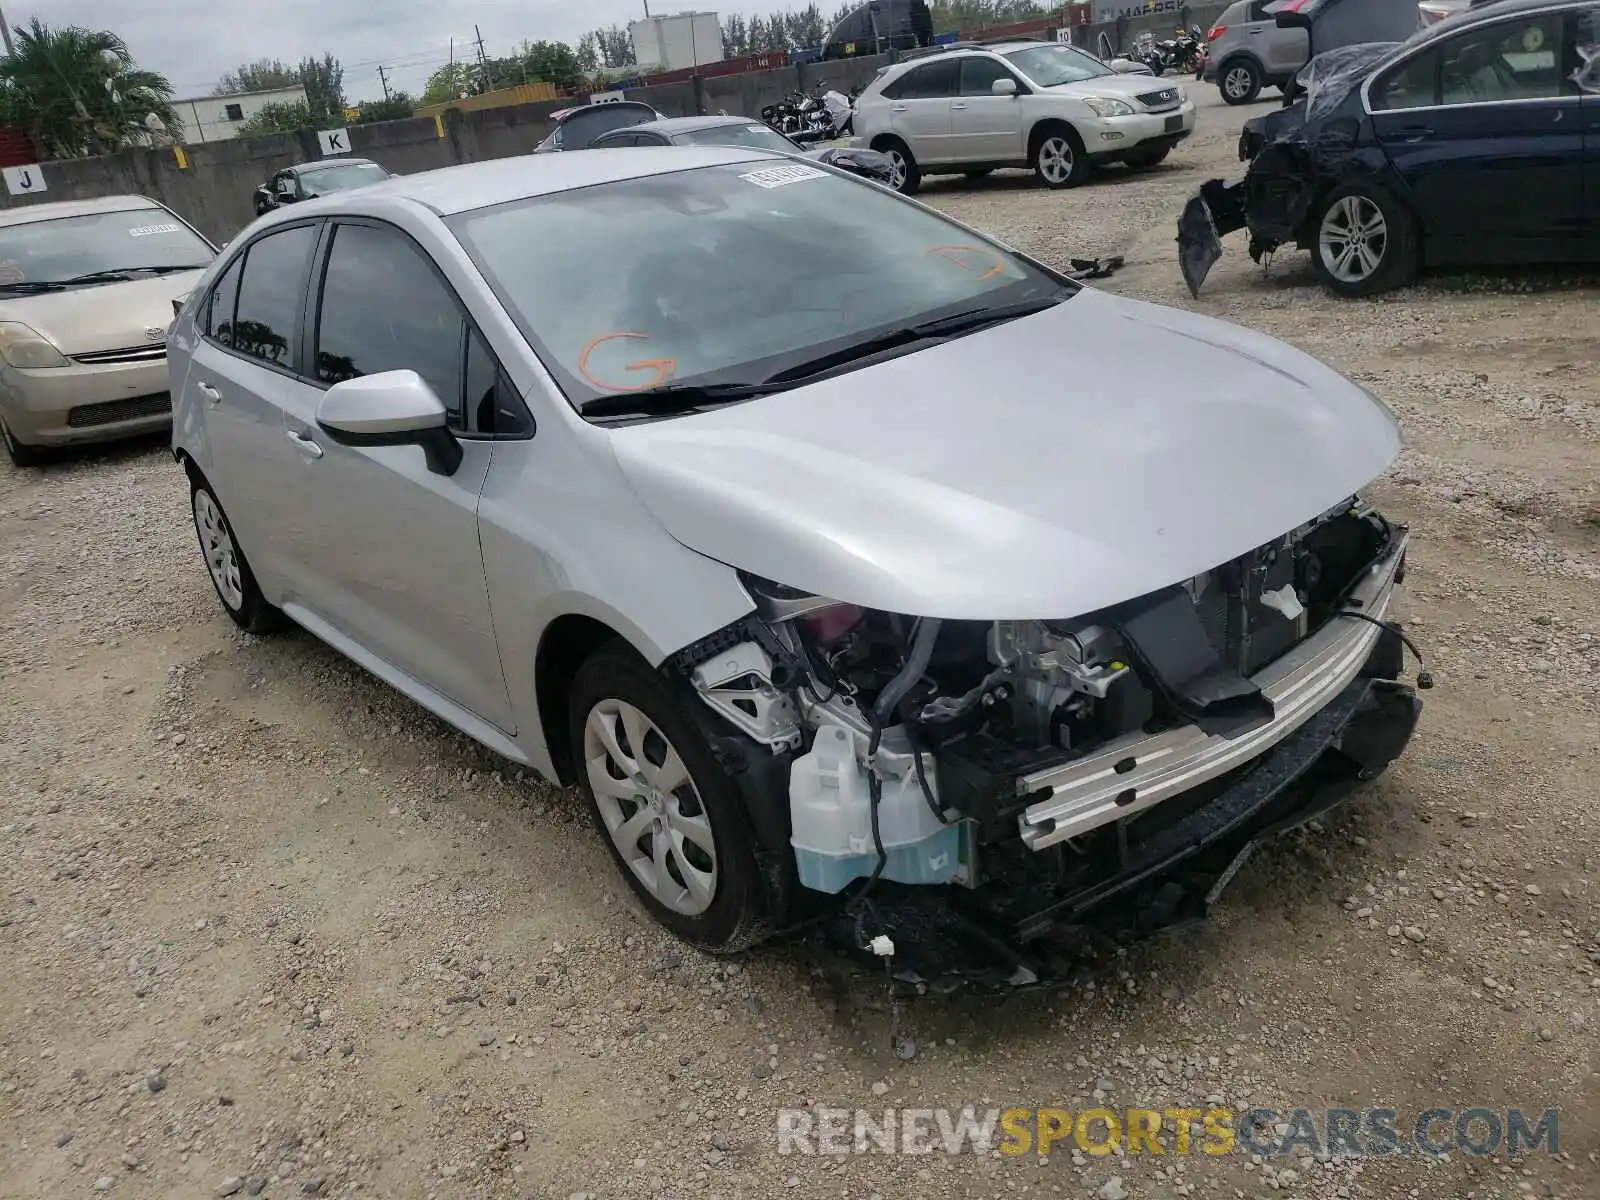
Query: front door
x,y
919,109
985,127
1485,130
389,550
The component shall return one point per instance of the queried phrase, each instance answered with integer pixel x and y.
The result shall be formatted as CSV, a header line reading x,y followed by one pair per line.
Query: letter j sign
x,y
24,181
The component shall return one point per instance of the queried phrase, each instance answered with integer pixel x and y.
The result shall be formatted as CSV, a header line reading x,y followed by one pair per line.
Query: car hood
x,y
104,316
1045,468
1119,83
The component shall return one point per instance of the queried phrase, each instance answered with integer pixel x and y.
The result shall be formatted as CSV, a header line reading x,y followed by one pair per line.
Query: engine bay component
x,y
738,684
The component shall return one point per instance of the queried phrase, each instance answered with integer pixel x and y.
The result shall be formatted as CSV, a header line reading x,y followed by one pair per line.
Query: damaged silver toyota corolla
x,y
862,571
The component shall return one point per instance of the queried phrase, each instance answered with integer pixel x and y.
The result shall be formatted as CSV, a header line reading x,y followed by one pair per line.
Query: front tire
x,y
905,176
1141,160
230,573
1059,157
1239,81
20,453
1364,241
670,815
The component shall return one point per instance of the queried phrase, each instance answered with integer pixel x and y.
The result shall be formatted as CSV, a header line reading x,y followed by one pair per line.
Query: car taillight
x,y
1215,32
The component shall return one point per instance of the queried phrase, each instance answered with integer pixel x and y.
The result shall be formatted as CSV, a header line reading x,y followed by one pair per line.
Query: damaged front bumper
x,y
1130,775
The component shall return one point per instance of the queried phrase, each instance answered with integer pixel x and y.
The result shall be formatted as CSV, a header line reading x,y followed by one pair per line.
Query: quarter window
x,y
267,318
1413,84
384,308
219,315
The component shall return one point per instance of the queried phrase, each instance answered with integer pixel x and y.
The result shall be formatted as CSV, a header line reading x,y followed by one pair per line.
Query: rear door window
x,y
936,81
271,294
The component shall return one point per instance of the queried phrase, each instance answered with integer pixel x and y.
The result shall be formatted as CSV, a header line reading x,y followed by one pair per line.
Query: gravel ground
x,y
273,930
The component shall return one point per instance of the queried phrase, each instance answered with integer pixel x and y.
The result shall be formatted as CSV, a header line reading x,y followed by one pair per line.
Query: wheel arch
x,y
1044,126
564,646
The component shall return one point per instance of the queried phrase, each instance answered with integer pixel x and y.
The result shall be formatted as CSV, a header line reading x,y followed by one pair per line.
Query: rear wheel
x,y
1365,241
225,563
1239,81
1059,158
20,454
905,176
670,815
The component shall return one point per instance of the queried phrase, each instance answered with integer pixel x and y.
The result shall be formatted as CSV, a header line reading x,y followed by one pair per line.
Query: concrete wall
x,y
210,185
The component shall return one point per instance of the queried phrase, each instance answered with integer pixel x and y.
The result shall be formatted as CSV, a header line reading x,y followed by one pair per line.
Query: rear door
x,y
242,375
985,127
393,560
919,109
1485,130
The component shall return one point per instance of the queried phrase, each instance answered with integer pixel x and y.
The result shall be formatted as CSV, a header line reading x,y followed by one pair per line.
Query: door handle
x,y
1415,133
897,108
209,392
304,444
955,106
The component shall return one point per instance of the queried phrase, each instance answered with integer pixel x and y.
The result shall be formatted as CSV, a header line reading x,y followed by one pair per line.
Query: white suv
x,y
1049,107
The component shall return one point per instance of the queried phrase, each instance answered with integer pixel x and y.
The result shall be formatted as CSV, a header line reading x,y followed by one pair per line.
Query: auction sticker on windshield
x,y
772,177
147,230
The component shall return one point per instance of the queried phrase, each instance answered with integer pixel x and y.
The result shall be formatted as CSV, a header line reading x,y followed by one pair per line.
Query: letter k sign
x,y
334,141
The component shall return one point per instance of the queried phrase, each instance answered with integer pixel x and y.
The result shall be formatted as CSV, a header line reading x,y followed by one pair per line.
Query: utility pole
x,y
483,63
384,80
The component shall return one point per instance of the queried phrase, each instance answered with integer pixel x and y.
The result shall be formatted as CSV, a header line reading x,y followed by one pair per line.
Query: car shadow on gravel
x,y
91,454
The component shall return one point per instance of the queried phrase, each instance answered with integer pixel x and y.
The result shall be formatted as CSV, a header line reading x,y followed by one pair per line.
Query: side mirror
x,y
1004,87
1292,20
390,408
285,195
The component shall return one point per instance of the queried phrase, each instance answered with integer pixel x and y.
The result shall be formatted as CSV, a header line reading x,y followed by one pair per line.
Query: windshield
x,y
761,137
67,247
727,274
342,178
1050,66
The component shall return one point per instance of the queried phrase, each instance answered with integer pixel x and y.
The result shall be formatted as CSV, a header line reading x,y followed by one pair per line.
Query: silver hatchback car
x,y
833,548
86,294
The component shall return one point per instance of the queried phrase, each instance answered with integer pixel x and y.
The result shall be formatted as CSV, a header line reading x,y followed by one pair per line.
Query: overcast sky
x,y
193,43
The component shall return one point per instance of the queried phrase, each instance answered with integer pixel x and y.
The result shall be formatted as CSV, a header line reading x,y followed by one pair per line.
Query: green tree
x,y
265,74
450,83
77,91
615,44
278,117
323,80
588,52
398,107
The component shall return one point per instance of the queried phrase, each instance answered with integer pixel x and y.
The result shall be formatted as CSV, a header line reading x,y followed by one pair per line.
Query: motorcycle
x,y
1182,53
783,116
1145,51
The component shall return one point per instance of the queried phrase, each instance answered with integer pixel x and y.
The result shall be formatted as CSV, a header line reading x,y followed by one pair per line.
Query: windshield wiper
x,y
31,285
691,397
119,274
675,398
969,321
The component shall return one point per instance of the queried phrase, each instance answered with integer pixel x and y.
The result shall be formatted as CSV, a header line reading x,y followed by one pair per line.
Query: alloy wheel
x,y
897,169
1353,239
650,806
216,541
1055,159
1237,82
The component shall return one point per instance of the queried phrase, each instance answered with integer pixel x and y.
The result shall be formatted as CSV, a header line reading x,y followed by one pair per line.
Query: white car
x,y
969,110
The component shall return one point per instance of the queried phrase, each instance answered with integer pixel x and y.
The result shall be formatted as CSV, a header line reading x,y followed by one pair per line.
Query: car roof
x,y
1483,13
451,190
323,164
684,124
23,214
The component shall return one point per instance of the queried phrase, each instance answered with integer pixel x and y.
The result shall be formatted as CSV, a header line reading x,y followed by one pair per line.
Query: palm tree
x,y
77,92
